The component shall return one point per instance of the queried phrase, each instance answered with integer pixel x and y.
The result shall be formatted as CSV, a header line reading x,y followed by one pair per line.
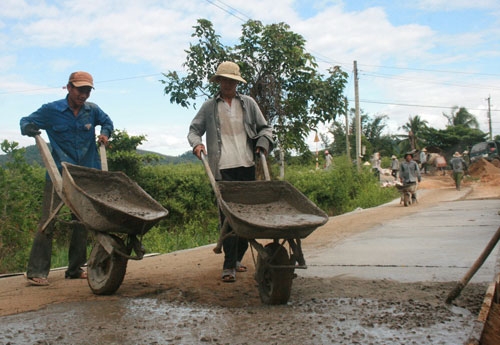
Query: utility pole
x,y
489,117
347,144
358,120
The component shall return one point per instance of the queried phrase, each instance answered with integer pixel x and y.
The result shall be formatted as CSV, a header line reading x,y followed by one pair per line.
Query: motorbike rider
x,y
409,173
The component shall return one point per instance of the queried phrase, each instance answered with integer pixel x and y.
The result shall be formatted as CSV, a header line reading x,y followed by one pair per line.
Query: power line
x,y
227,11
472,86
97,82
415,105
435,70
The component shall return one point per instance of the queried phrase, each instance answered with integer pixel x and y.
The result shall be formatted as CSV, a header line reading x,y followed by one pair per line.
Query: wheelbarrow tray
x,y
109,201
411,187
269,209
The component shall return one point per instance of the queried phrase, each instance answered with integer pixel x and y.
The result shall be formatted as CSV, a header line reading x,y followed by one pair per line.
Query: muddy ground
x,y
178,298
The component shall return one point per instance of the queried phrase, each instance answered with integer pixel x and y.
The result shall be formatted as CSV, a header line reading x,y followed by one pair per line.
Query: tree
x,y
373,139
454,138
414,127
461,117
281,76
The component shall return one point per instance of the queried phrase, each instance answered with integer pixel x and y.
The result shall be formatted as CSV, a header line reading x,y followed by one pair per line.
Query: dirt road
x,y
192,277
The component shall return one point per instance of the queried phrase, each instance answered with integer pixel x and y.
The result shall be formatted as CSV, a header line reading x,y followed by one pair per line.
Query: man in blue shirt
x,y
70,125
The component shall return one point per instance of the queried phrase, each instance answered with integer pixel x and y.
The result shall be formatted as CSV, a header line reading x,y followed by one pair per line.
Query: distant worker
x,y
394,167
376,164
466,157
423,160
409,173
458,166
328,160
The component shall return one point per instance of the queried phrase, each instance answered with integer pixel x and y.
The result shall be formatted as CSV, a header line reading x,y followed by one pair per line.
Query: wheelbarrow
x,y
408,193
270,210
116,210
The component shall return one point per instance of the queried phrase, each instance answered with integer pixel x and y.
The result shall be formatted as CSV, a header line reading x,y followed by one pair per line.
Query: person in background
x,y
328,159
458,166
423,160
409,173
70,125
235,132
466,157
376,164
394,167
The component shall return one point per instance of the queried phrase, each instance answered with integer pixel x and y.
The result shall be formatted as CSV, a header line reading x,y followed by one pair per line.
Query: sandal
x,y
240,267
38,281
229,275
83,275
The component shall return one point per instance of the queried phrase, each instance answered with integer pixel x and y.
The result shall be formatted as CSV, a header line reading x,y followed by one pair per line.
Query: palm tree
x,y
414,127
461,117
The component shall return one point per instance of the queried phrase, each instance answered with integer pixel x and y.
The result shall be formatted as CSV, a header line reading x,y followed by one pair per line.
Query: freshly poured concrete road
x,y
438,244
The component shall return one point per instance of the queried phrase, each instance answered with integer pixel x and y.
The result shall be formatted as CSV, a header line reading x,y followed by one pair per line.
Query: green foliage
x,y
341,189
454,138
373,139
20,197
184,190
413,138
123,156
460,116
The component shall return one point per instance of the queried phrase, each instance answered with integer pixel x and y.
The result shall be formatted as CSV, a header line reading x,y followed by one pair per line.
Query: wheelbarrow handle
x,y
264,166
50,164
211,177
104,159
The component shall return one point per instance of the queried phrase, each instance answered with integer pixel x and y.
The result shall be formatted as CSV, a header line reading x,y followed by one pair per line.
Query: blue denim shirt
x,y
72,138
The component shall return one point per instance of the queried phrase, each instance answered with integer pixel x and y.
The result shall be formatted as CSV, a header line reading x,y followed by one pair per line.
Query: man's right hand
x,y
198,150
31,130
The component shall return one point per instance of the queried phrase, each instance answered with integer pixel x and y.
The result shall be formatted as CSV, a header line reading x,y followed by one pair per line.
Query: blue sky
x,y
417,57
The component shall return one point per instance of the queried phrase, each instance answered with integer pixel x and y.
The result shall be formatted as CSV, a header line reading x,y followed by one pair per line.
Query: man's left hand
x,y
259,149
103,139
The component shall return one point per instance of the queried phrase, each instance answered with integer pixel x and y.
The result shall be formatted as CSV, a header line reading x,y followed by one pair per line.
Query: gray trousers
x,y
41,251
235,247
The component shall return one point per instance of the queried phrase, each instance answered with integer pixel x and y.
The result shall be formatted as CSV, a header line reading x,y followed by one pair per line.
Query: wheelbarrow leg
x,y
297,254
51,217
223,234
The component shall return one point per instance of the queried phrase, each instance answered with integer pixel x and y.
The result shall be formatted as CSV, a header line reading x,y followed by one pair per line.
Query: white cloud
x,y
446,5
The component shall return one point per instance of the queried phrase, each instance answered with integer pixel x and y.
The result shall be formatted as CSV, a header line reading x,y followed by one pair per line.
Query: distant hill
x,y
33,157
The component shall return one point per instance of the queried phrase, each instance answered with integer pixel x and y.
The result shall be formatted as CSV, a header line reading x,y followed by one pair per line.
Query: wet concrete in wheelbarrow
x,y
178,299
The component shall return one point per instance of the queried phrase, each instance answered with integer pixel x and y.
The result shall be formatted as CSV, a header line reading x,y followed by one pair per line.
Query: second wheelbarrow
x,y
274,211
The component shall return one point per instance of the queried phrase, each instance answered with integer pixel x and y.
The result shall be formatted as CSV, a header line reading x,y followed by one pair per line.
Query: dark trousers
x,y
41,251
235,247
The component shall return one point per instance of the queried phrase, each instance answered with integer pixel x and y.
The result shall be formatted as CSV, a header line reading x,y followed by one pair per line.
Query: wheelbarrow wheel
x,y
275,283
406,198
106,271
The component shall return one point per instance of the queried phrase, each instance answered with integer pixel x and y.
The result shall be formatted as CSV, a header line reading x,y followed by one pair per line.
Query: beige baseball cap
x,y
80,78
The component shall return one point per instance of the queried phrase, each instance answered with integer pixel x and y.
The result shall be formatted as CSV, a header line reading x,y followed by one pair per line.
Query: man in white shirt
x,y
235,131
